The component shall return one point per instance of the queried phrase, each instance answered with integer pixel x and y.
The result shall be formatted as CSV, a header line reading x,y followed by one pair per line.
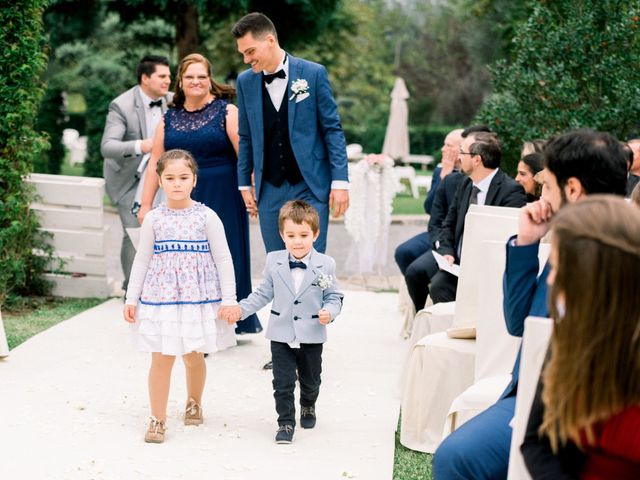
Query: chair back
x,y
537,333
478,227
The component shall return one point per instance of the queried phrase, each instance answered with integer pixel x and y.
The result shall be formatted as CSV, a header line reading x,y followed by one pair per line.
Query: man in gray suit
x,y
128,136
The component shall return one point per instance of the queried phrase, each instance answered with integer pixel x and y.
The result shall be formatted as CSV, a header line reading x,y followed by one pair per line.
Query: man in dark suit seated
x,y
578,163
414,256
485,184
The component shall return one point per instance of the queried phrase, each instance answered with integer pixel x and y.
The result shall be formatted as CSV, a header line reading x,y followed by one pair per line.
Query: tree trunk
x,y
187,29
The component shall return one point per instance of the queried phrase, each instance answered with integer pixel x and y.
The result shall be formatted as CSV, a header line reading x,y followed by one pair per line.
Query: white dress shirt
x,y
152,116
483,186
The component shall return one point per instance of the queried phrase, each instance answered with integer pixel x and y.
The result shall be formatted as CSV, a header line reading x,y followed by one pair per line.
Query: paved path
x,y
73,405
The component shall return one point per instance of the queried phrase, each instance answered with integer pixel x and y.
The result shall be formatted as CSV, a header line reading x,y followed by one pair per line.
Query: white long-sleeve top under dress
x,y
181,274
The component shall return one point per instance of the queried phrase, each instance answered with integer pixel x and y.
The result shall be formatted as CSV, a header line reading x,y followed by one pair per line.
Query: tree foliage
x,y
575,64
21,64
297,20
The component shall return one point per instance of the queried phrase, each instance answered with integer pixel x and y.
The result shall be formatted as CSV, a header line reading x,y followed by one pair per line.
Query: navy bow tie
x,y
157,103
268,77
293,265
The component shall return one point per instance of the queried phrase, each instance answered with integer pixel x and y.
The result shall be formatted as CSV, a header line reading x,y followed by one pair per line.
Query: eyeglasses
x,y
465,153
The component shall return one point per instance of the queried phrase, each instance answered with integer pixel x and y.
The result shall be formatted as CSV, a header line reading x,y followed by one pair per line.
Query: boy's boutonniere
x,y
324,281
299,87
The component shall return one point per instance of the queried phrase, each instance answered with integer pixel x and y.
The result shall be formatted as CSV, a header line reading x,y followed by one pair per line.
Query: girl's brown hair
x,y
176,154
219,90
594,369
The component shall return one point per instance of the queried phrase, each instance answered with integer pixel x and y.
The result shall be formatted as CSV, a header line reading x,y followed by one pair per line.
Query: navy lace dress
x,y
203,133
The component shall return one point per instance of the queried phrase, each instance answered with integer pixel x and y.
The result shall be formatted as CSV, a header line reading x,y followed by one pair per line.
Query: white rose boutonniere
x,y
324,281
299,87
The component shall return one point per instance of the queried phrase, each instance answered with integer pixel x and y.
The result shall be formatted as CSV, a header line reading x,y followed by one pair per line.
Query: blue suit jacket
x,y
525,294
315,131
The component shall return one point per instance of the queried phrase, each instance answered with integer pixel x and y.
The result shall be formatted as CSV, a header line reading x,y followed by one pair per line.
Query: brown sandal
x,y
155,432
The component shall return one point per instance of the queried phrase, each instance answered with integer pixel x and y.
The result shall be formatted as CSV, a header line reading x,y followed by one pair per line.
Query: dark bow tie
x,y
157,103
293,265
268,77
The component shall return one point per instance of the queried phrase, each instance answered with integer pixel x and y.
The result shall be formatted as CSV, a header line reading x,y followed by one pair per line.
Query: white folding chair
x,y
537,333
408,173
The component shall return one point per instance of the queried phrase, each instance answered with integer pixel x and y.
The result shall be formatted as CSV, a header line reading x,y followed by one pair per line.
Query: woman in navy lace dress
x,y
205,124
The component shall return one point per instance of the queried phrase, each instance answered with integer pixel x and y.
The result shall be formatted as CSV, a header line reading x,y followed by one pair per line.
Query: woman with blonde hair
x,y
585,419
203,122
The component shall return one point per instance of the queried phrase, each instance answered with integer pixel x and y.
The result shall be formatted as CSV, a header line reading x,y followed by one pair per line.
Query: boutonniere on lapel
x,y
323,281
299,89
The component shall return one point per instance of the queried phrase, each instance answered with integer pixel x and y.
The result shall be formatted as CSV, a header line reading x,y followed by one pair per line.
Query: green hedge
x,y
22,62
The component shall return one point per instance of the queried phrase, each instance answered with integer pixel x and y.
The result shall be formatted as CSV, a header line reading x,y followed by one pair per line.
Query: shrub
x,y
575,65
22,62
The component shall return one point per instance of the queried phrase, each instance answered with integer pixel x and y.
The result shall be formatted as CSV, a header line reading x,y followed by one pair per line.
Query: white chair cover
x,y
440,368
537,333
4,346
497,350
427,394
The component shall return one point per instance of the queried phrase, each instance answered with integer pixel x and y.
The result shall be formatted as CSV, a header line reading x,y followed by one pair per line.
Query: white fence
x,y
71,209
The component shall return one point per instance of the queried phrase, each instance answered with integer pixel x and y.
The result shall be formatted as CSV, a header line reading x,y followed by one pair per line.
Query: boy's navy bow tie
x,y
157,103
297,265
268,77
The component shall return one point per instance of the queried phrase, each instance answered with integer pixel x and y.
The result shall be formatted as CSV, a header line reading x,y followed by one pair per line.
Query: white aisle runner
x,y
73,405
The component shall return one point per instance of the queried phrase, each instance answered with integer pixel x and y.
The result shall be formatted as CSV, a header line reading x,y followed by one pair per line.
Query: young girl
x,y
585,419
182,274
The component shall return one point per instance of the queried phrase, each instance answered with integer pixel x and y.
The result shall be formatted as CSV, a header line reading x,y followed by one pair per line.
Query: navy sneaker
x,y
308,417
285,434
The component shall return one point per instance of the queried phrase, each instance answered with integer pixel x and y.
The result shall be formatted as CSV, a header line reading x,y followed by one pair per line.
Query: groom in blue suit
x,y
291,139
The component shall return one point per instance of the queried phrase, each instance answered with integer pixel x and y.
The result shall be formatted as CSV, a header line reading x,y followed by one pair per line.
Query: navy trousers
x,y
480,448
410,250
272,198
289,364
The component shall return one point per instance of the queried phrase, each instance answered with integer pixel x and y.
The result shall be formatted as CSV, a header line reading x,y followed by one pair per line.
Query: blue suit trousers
x,y
272,198
479,449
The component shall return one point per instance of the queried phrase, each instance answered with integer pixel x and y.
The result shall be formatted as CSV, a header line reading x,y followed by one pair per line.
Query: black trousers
x,y
291,364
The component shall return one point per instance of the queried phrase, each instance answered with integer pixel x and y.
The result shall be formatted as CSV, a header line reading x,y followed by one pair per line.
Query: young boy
x,y
301,283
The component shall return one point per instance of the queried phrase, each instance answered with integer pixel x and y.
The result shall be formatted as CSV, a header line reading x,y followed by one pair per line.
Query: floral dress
x,y
182,273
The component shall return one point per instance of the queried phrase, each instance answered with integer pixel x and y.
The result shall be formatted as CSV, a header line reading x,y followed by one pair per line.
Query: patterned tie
x,y
269,77
473,199
293,265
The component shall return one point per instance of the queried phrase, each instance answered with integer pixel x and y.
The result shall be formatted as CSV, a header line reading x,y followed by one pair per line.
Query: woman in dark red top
x,y
585,418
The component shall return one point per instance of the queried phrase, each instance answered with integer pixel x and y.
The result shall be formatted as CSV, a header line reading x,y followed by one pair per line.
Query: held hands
x,y
144,209
130,313
324,317
230,313
534,222
249,197
338,201
146,144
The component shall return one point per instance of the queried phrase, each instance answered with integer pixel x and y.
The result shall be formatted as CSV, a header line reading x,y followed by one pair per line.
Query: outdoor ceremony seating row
x,y
440,368
71,209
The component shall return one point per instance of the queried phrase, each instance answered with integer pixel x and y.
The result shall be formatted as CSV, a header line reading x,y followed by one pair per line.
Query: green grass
x,y
409,464
66,169
23,321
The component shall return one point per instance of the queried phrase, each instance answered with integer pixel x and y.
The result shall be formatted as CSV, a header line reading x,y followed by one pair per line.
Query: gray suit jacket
x,y
125,124
294,316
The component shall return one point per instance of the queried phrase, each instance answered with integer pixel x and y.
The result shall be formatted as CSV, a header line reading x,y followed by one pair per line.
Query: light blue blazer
x,y
294,316
315,131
